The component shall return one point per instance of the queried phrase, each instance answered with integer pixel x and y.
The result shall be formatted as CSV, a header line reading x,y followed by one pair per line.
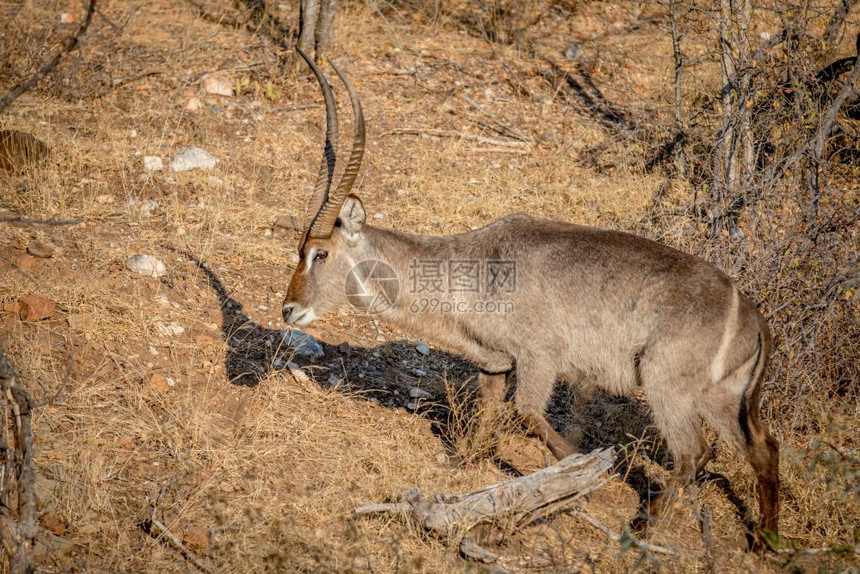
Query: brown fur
x,y
587,305
609,308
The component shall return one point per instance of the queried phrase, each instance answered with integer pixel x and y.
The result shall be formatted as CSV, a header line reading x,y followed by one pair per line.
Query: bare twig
x,y
506,129
644,546
834,27
453,134
838,549
826,125
38,76
29,221
159,530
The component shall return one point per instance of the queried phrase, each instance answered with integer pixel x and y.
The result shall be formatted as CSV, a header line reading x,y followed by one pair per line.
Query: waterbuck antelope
x,y
581,305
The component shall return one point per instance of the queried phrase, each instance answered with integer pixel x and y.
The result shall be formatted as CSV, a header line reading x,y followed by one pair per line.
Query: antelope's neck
x,y
399,249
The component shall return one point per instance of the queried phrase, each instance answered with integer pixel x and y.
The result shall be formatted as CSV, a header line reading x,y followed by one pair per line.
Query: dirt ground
x,y
169,399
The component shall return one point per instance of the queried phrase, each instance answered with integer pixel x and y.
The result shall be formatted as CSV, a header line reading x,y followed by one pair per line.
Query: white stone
x,y
193,104
146,265
417,393
152,163
192,158
216,84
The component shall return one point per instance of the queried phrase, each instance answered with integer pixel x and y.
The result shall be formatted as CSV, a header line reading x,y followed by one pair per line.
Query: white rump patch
x,y
718,367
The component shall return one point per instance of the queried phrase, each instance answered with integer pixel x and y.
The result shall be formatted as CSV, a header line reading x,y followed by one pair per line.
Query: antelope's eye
x,y
320,256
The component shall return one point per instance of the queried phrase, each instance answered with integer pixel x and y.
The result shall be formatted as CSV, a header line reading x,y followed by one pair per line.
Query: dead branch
x,y
506,129
30,221
18,527
453,134
505,505
816,142
622,538
157,529
38,76
834,27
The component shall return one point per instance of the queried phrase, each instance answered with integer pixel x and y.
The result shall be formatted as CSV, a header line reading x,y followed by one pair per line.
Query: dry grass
x,y
276,470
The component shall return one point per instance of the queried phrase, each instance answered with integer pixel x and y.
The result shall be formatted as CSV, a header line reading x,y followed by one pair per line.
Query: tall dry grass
x,y
265,478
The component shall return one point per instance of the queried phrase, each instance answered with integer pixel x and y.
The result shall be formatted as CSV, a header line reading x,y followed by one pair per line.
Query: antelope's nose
x,y
287,311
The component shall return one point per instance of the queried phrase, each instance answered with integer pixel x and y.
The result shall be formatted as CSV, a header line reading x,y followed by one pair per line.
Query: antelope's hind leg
x,y
736,417
678,419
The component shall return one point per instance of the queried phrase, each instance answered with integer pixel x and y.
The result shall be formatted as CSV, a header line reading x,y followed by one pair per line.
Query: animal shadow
x,y
395,375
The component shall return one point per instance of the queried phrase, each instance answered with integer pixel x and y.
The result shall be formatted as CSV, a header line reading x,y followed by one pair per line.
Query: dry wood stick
x,y
38,76
453,134
158,529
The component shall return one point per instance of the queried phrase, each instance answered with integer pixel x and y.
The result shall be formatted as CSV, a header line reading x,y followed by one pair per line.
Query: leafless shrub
x,y
18,480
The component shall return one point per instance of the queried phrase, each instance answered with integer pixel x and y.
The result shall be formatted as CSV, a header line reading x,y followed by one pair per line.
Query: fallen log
x,y
502,507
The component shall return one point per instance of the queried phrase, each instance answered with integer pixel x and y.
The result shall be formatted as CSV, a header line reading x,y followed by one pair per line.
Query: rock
x,y
192,158
290,222
35,307
41,250
148,207
417,393
81,322
146,265
193,104
379,216
54,522
170,330
159,383
216,84
51,547
302,343
422,348
419,372
344,348
27,263
412,406
152,163
573,52
298,373
68,18
47,489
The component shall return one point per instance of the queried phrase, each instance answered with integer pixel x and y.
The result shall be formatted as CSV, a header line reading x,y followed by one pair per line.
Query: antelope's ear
x,y
351,219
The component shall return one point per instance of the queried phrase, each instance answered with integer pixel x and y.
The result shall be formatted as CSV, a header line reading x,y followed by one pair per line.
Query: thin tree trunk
x,y
328,8
307,33
724,161
680,162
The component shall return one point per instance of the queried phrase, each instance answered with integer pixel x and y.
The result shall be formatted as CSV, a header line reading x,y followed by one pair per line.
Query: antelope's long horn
x,y
325,219
326,173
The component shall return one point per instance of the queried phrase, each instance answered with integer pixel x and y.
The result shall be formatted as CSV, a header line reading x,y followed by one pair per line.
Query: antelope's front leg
x,y
534,387
491,394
